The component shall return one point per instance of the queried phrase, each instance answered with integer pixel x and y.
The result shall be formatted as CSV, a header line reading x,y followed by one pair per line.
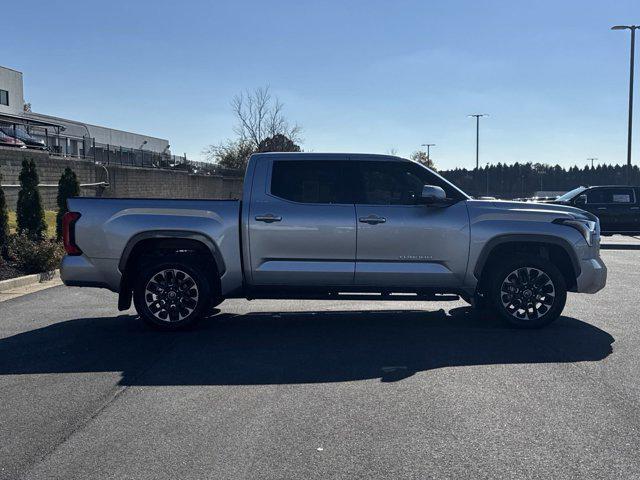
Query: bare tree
x,y
392,151
260,115
261,126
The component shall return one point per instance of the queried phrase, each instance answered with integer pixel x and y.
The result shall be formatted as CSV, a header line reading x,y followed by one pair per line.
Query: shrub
x,y
4,219
29,211
34,255
68,186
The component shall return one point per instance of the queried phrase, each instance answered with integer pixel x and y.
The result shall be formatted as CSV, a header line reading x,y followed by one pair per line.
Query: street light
x,y
633,29
477,117
428,145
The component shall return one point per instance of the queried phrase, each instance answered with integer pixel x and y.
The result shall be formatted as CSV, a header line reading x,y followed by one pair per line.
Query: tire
x,y
172,293
527,291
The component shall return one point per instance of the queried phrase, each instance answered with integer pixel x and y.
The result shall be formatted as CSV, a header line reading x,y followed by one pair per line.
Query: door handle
x,y
372,219
634,208
602,208
268,218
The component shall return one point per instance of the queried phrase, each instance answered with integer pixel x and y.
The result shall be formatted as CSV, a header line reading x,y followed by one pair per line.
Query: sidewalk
x,y
28,286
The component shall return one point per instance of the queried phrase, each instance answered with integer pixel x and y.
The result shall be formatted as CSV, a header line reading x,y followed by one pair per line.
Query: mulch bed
x,y
8,270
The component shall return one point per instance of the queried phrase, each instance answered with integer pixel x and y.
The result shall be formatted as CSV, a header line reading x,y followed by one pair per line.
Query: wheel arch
x,y
167,241
557,249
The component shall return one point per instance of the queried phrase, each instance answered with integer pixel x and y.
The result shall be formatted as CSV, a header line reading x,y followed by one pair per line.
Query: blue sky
x,y
364,76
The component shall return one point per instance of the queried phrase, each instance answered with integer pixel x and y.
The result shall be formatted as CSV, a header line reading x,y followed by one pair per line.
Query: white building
x,y
64,136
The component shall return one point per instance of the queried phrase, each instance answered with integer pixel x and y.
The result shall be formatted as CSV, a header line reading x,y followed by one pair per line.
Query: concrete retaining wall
x,y
127,182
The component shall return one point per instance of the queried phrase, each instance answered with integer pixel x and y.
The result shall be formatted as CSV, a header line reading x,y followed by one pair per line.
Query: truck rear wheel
x,y
528,291
171,294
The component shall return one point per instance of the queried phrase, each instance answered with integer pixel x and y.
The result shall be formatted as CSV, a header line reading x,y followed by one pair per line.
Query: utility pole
x,y
477,117
592,160
428,145
633,29
487,179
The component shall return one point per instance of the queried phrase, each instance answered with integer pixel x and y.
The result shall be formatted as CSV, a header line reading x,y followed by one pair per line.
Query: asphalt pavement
x,y
321,390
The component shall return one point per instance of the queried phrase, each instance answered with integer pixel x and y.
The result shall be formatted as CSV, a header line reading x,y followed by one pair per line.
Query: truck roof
x,y
330,156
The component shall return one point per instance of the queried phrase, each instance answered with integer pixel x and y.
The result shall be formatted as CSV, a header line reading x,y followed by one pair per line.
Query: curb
x,y
28,280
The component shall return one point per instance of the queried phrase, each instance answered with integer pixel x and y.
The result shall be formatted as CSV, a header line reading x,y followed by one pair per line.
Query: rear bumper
x,y
80,271
593,276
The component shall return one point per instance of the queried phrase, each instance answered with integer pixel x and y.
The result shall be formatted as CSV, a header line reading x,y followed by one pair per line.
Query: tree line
x,y
524,179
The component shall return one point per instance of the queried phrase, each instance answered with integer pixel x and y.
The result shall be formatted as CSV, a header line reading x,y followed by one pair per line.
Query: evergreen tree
x,y
4,219
29,211
68,186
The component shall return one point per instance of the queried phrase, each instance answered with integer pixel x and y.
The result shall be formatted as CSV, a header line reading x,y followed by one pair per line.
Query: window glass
x,y
397,183
619,195
4,97
310,181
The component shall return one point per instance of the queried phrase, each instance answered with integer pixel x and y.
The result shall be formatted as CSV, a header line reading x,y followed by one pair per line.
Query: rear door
x,y
402,243
302,223
616,207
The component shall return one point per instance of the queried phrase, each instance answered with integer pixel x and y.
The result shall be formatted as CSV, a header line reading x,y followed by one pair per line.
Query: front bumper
x,y
593,276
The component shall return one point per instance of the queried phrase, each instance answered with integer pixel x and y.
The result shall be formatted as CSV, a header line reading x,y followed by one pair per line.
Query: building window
x,y
4,97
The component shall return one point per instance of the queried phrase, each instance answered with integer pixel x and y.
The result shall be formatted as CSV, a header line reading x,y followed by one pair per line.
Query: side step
x,y
380,297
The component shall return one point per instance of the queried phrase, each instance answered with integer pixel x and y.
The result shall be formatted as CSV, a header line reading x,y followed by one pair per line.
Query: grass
x,y
49,218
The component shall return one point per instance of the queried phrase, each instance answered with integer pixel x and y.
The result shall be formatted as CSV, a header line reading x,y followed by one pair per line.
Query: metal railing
x,y
111,155
56,142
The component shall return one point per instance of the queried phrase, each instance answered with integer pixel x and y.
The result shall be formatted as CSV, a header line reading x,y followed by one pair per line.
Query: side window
x,y
309,181
619,195
595,195
616,196
396,183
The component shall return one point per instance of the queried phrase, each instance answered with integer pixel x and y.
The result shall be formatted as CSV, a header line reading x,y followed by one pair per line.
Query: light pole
x,y
487,179
428,145
477,117
633,29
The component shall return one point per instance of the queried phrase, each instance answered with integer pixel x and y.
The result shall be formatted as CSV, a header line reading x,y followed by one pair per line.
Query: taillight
x,y
69,233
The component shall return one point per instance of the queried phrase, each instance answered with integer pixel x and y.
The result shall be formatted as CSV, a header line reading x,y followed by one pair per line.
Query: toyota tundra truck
x,y
333,226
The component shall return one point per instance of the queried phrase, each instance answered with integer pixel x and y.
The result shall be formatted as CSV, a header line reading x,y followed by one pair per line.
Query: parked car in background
x,y
617,206
9,141
19,132
333,226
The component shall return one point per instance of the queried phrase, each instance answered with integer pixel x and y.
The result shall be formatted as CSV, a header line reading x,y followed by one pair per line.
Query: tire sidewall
x,y
187,266
559,284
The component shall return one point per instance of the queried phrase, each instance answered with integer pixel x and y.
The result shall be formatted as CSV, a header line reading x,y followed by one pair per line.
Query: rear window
x,y
309,181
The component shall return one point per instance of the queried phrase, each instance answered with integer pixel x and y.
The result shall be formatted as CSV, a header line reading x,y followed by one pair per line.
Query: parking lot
x,y
316,389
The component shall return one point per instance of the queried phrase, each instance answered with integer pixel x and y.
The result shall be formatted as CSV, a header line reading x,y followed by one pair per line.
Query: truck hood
x,y
550,210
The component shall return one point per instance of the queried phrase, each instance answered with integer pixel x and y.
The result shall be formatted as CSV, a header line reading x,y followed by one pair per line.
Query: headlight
x,y
586,227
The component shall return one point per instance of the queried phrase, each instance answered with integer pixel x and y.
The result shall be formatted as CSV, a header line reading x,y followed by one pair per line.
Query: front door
x,y
402,243
302,224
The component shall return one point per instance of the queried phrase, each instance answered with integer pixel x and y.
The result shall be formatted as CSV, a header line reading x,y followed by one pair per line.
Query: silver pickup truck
x,y
333,226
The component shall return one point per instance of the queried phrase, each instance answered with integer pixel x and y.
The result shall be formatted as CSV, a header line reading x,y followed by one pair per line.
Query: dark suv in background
x,y
617,206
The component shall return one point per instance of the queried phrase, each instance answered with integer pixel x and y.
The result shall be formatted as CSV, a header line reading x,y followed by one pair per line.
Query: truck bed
x,y
108,225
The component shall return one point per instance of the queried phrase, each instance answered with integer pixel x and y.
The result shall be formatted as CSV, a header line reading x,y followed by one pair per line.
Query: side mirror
x,y
581,200
433,195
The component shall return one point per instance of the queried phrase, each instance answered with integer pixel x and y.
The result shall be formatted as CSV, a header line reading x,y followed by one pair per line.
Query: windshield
x,y
569,195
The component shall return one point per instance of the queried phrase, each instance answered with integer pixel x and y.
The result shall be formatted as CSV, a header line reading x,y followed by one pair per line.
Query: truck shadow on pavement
x,y
295,347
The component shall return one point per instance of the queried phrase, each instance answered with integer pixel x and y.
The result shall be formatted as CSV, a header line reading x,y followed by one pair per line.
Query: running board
x,y
392,297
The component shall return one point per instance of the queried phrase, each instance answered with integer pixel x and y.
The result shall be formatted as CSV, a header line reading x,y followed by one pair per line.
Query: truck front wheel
x,y
528,291
172,294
